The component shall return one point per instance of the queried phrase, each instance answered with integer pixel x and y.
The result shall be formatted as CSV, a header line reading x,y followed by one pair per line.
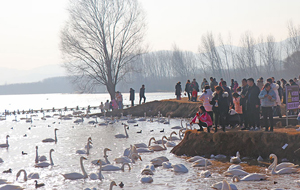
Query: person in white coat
x,y
277,103
206,97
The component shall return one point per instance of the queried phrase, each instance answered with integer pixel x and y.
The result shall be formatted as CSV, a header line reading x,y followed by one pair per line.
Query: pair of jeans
x,y
142,97
253,117
202,124
267,112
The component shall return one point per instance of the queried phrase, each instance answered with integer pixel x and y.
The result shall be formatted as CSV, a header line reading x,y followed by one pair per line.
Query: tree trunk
x,y
111,88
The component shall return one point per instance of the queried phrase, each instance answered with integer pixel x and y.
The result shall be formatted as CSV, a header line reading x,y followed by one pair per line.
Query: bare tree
x,y
225,52
294,37
100,39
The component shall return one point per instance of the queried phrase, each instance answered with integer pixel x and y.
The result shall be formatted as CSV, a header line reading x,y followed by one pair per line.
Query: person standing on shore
x,y
142,94
260,83
206,97
213,84
232,85
132,96
107,105
220,83
204,84
195,85
268,97
243,103
101,107
188,89
178,90
238,107
203,119
277,103
194,95
226,89
119,99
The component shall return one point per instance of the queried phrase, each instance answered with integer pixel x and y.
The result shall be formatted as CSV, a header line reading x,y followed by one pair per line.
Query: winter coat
x,y
275,88
204,117
131,94
243,101
223,105
195,85
236,85
260,84
203,84
265,102
206,97
237,106
213,84
252,97
142,92
188,88
178,89
226,89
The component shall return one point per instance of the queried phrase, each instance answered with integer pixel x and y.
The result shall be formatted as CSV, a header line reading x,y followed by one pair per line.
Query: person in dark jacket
x,y
220,107
213,84
188,89
142,94
226,89
132,96
253,104
195,85
243,102
178,90
280,90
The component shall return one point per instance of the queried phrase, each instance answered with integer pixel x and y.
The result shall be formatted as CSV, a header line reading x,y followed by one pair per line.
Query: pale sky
x,y
29,29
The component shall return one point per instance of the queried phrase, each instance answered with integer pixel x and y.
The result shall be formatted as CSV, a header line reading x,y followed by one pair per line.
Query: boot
x,y
223,128
216,129
208,129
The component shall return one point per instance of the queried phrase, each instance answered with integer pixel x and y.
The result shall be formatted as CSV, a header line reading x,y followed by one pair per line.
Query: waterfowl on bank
x,y
250,177
37,185
281,165
235,172
146,179
179,168
236,159
206,173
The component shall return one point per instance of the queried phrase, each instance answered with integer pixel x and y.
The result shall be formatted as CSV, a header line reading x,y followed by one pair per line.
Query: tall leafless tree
x,y
100,39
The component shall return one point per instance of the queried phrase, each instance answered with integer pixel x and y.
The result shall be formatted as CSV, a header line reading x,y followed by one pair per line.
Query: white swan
x,y
173,138
113,183
150,166
50,139
110,167
201,163
180,168
146,179
90,145
178,127
225,185
195,158
141,150
166,165
30,176
6,144
87,151
140,145
288,170
74,175
236,159
236,172
234,166
102,161
206,173
125,159
1,160
171,144
37,157
122,135
94,176
219,186
158,147
46,164
159,160
250,177
147,171
281,165
10,187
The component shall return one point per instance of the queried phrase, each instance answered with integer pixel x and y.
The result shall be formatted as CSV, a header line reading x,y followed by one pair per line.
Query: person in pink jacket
x,y
206,97
237,106
203,119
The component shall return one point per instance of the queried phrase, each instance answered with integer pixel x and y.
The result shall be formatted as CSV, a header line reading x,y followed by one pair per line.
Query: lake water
x,y
72,137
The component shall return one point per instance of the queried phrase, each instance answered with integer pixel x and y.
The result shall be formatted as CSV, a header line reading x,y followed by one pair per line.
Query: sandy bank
x,y
249,143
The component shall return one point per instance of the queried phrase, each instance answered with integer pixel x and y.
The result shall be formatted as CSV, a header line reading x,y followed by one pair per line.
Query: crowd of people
x,y
241,106
117,102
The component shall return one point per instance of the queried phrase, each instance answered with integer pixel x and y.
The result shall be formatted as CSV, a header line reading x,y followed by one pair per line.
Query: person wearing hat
x,y
178,90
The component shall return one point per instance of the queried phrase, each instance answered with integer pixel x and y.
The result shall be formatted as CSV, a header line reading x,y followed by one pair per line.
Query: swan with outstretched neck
x,y
46,164
171,138
50,139
141,150
158,147
102,161
39,158
6,144
287,170
113,183
87,151
74,175
281,165
30,176
122,135
94,176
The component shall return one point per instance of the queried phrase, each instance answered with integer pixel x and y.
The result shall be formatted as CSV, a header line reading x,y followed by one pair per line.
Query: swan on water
x,y
171,138
147,171
219,186
87,151
206,173
113,183
158,147
150,166
234,166
178,127
30,176
122,135
250,177
141,150
37,157
166,165
50,139
1,160
46,164
90,145
200,163
180,168
110,167
140,145
6,144
236,159
10,187
74,175
281,165
95,162
195,158
94,176
237,172
125,159
146,179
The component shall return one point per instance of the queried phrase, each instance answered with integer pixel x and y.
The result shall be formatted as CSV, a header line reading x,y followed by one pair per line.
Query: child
x,y
203,119
237,105
194,95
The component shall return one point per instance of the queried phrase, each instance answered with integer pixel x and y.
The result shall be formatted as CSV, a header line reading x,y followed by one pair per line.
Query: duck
x,y
281,165
50,139
158,147
121,184
95,162
7,171
146,179
122,135
94,176
179,168
46,164
139,131
163,130
37,185
235,172
74,175
250,177
24,153
206,173
109,167
6,145
236,159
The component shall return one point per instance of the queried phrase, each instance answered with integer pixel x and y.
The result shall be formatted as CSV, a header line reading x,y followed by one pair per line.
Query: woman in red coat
x,y
203,119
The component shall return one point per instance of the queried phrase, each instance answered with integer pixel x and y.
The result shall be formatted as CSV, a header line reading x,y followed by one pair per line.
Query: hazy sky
x,y
29,29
